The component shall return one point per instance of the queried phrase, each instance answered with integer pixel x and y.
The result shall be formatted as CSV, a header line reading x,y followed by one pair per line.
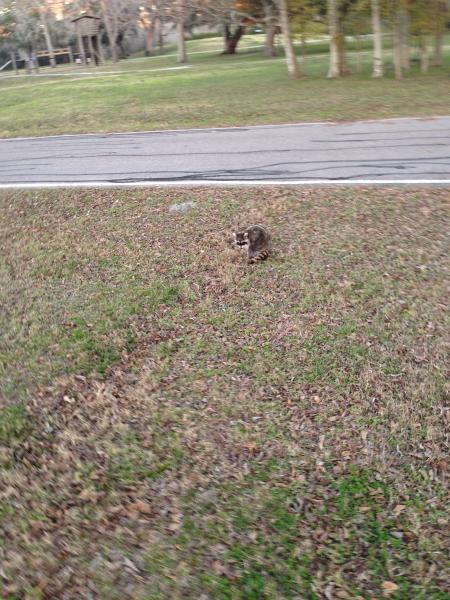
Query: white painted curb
x,y
223,183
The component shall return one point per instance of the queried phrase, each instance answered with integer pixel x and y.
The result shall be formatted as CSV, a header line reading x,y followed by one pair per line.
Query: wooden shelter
x,y
87,28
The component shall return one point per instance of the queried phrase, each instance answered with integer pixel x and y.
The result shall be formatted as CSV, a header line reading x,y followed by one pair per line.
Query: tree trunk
x,y
291,59
342,56
114,55
48,40
81,49
437,54
303,47
150,40
269,48
424,59
333,26
111,30
156,32
35,62
121,44
440,18
404,37
159,35
397,34
232,39
377,40
181,42
14,62
98,50
93,58
358,54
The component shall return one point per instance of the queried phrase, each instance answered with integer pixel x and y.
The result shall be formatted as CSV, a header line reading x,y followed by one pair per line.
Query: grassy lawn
x,y
140,94
178,424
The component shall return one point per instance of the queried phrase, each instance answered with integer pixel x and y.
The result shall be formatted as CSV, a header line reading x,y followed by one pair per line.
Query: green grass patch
x,y
14,423
138,94
130,463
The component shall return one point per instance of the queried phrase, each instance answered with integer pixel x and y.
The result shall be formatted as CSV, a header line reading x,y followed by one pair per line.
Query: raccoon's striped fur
x,y
260,256
257,240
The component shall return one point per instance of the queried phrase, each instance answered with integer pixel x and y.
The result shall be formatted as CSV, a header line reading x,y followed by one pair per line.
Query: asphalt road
x,y
390,150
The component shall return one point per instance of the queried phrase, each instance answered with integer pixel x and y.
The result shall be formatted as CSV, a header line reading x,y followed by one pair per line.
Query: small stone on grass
x,y
183,207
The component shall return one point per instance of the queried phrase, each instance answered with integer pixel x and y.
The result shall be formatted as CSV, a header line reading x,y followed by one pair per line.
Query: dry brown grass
x,y
277,431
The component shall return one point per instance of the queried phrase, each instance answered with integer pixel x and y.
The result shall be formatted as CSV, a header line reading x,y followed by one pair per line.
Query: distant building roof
x,y
86,16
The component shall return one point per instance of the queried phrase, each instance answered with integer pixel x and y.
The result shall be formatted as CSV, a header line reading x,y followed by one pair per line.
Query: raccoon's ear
x,y
246,234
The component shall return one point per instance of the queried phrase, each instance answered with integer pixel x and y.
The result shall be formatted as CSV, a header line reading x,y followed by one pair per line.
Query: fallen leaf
x,y
89,496
139,506
253,536
174,527
218,567
389,587
37,527
399,508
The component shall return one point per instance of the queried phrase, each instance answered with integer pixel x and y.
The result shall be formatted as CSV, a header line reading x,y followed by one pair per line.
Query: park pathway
x,y
392,150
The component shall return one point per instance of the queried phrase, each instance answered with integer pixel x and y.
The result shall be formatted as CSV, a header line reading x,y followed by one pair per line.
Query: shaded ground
x,y
197,428
246,89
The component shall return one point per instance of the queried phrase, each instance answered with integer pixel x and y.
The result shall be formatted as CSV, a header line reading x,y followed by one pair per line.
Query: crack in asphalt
x,y
264,170
244,175
261,169
296,152
365,132
250,152
427,137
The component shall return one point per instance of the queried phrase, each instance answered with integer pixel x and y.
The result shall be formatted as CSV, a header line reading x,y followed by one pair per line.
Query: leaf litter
x,y
279,431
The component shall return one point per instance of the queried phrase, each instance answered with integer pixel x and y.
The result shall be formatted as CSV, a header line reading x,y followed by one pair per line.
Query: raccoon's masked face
x,y
241,238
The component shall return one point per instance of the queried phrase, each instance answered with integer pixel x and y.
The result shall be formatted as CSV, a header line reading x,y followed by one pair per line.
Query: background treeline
x,y
28,26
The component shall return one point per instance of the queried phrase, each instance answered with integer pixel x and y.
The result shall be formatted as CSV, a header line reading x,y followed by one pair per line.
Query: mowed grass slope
x,y
209,429
140,94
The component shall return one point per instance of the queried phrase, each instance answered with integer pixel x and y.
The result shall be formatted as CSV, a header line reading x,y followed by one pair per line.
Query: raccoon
x,y
257,240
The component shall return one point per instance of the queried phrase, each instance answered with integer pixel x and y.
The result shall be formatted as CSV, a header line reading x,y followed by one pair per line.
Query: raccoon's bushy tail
x,y
260,256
